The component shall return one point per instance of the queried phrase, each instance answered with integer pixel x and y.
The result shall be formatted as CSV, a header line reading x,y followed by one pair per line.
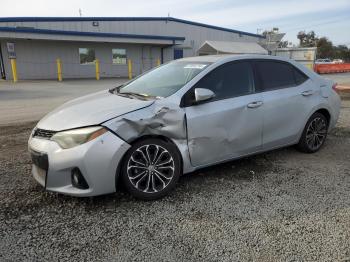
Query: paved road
x,y
341,78
30,100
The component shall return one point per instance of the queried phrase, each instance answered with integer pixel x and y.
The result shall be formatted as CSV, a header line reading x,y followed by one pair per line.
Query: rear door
x,y
286,92
230,125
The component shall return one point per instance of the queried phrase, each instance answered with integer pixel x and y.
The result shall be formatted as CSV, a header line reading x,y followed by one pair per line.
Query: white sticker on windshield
x,y
195,66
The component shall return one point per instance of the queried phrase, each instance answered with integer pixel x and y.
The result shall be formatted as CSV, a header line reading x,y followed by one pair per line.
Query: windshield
x,y
164,80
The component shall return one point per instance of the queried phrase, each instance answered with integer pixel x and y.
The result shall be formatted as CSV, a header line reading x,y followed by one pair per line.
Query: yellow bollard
x,y
158,62
14,70
59,69
129,69
97,63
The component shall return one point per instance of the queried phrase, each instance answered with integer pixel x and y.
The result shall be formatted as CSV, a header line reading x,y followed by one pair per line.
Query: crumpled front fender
x,y
157,119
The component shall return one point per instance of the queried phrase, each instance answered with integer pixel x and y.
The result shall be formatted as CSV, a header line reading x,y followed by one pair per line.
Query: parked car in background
x,y
338,61
323,61
182,116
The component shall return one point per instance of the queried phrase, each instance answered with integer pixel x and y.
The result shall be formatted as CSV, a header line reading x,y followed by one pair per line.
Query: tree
x,y
307,39
342,52
325,48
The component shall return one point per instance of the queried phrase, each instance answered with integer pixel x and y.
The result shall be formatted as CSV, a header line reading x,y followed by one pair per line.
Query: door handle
x,y
307,93
255,104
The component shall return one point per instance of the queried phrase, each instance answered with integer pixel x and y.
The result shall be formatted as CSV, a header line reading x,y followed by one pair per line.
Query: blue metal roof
x,y
80,33
75,19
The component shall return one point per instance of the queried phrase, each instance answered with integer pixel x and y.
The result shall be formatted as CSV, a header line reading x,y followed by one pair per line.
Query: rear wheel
x,y
151,169
314,134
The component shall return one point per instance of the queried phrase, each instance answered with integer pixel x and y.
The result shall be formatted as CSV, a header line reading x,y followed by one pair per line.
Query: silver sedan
x,y
179,117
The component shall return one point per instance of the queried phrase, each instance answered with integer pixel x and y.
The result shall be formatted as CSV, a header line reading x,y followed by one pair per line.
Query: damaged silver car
x,y
179,117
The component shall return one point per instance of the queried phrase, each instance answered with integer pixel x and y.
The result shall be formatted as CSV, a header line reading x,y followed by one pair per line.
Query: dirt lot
x,y
279,206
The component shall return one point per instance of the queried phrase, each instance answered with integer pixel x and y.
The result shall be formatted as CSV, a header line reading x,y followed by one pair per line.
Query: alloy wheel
x,y
150,168
316,133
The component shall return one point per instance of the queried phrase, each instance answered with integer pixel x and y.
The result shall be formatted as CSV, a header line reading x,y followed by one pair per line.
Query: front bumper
x,y
97,160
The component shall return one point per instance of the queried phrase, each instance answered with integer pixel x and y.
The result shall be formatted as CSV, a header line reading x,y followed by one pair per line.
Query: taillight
x,y
334,87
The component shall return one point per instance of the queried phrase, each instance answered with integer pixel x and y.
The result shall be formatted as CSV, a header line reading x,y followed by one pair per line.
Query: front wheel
x,y
314,134
151,169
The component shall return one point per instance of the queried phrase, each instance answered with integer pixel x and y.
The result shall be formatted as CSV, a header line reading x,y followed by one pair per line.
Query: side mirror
x,y
203,94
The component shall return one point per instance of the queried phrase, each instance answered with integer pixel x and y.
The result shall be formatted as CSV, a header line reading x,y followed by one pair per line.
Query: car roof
x,y
218,58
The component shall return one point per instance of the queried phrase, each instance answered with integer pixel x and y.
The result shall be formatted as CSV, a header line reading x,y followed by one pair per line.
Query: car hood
x,y
90,110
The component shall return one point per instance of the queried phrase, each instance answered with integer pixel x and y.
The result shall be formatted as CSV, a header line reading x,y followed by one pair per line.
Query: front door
x,y
230,125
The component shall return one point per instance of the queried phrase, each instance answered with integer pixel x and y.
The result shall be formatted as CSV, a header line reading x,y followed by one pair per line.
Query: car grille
x,y
42,133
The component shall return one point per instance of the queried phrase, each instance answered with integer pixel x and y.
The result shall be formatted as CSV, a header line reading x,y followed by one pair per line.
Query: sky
x,y
330,18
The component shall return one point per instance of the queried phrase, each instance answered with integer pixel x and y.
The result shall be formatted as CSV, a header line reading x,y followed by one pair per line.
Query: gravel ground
x,y
278,206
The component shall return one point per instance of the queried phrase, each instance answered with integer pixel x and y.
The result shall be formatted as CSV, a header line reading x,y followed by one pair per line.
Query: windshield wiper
x,y
143,96
116,90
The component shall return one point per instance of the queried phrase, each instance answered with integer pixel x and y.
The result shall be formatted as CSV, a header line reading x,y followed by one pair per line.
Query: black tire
x,y
316,126
141,169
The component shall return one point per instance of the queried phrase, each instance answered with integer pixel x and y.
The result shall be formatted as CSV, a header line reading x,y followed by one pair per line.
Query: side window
x,y
275,75
299,76
119,56
87,56
228,80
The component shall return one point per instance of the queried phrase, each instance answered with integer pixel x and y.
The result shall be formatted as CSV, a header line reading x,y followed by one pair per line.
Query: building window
x,y
119,56
87,56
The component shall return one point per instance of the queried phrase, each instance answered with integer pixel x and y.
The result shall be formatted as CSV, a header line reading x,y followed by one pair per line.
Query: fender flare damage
x,y
158,121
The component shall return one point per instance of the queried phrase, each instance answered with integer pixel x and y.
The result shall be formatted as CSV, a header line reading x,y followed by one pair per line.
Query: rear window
x,y
275,75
